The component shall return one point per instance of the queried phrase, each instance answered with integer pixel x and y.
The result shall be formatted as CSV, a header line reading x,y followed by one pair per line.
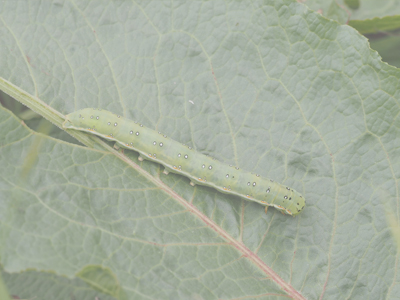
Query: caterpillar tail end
x,y
67,124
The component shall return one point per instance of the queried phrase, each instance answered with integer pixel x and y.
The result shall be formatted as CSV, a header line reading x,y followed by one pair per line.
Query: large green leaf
x,y
269,86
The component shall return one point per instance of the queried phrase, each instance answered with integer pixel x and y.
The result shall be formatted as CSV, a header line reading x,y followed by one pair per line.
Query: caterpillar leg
x,y
140,158
165,171
266,209
192,183
118,148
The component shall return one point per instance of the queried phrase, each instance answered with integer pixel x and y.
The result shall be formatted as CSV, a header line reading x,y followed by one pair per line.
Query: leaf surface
x,y
269,86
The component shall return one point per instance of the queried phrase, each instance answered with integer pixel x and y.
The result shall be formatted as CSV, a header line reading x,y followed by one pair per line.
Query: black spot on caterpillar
x,y
181,159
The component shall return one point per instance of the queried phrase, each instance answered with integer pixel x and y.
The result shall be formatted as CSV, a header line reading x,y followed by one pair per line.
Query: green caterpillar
x,y
181,159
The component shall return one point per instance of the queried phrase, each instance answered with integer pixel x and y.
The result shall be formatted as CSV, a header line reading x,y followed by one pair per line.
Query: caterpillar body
x,y
181,159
